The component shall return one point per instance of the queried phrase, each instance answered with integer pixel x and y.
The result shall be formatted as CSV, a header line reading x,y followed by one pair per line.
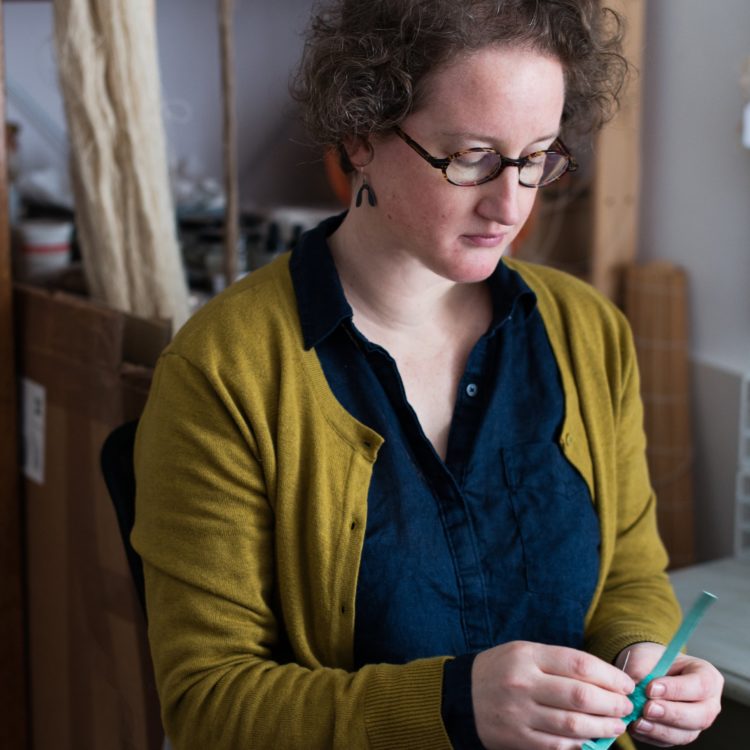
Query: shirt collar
x,y
510,295
322,305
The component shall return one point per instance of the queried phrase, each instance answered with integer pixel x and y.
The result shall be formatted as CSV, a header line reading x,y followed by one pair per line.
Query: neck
x,y
386,286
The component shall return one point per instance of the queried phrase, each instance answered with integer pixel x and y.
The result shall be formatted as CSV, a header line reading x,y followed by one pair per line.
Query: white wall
x,y
275,165
695,211
696,175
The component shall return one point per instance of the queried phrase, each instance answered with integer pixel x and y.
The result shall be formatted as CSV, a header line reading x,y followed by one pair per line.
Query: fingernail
x,y
655,710
645,726
657,690
617,729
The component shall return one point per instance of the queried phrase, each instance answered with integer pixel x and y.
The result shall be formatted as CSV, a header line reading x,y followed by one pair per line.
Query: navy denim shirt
x,y
500,541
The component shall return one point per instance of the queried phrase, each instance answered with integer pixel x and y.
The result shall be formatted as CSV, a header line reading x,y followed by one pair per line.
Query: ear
x,y
359,150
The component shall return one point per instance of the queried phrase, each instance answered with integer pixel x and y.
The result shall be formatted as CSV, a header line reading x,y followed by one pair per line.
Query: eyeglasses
x,y
475,166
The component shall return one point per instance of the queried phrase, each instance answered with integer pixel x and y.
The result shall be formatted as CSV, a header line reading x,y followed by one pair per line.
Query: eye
x,y
538,157
473,166
533,170
475,158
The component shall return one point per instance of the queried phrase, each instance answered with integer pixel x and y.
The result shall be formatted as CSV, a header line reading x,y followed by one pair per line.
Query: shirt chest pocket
x,y
557,524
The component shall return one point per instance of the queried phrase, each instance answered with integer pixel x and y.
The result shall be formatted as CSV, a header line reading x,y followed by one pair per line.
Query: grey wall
x,y
695,211
716,398
31,74
696,175
276,167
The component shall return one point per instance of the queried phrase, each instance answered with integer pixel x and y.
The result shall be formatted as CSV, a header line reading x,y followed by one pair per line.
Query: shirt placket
x,y
453,509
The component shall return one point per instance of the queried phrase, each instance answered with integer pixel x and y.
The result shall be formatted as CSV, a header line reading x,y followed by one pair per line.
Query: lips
x,y
486,240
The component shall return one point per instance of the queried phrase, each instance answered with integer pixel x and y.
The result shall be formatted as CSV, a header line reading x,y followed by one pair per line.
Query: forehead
x,y
514,86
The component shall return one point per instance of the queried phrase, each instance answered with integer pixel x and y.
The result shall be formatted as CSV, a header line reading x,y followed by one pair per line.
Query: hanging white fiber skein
x,y
109,76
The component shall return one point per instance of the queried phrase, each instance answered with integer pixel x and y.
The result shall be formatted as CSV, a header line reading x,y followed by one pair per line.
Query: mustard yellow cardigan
x,y
251,510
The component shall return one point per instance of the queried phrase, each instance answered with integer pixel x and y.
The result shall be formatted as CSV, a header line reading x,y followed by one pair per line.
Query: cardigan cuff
x,y
457,708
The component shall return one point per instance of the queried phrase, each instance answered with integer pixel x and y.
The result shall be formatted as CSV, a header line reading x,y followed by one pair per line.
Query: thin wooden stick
x,y
231,183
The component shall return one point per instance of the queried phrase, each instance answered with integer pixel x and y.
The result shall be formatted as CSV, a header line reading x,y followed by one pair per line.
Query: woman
x,y
392,490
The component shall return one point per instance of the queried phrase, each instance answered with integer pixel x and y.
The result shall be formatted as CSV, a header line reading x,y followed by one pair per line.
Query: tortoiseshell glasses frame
x,y
538,169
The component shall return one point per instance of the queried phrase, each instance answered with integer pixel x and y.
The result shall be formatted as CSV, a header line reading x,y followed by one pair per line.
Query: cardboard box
x,y
84,370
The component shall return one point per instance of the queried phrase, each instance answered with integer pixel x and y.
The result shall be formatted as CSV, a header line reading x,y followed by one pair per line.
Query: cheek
x,y
425,204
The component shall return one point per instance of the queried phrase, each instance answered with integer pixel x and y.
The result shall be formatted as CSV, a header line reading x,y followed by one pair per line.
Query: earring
x,y
366,187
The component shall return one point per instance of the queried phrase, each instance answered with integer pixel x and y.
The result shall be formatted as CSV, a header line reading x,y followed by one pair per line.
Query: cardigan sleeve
x,y
594,347
637,601
226,673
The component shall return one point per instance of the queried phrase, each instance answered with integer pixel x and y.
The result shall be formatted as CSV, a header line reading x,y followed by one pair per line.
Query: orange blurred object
x,y
526,231
337,178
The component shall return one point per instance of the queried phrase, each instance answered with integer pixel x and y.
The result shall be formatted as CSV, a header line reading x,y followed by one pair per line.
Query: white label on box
x,y
33,418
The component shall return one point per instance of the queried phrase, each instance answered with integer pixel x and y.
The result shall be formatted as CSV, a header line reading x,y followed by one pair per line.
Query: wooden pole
x,y
13,697
231,182
617,178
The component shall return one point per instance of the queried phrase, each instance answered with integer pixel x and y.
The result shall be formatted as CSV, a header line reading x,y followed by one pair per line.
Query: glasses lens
x,y
473,167
480,165
543,168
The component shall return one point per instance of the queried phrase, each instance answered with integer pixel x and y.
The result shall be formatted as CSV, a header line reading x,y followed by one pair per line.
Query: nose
x,y
501,198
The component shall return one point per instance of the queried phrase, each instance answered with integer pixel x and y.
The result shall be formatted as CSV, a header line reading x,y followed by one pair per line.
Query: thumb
x,y
638,659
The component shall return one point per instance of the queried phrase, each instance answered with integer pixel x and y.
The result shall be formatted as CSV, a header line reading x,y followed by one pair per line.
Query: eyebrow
x,y
481,137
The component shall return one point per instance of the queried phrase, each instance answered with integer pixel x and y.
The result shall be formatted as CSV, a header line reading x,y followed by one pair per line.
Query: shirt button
x,y
471,389
568,439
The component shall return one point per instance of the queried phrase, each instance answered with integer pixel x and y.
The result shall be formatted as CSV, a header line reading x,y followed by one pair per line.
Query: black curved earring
x,y
366,187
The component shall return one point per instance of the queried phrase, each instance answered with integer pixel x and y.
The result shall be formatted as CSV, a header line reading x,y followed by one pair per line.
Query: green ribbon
x,y
638,697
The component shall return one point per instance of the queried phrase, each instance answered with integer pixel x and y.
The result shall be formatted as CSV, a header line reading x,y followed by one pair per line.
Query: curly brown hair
x,y
365,61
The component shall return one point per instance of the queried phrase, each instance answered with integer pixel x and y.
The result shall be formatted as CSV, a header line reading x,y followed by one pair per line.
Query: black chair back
x,y
119,475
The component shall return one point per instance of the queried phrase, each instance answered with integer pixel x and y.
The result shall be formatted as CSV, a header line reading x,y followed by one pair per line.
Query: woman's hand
x,y
682,704
529,696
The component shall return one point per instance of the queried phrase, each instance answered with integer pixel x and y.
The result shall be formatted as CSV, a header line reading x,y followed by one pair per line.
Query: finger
x,y
576,725
578,665
582,697
697,682
661,735
639,659
544,739
690,716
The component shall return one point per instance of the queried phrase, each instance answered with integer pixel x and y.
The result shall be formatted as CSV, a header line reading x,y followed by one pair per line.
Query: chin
x,y
474,266
474,274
